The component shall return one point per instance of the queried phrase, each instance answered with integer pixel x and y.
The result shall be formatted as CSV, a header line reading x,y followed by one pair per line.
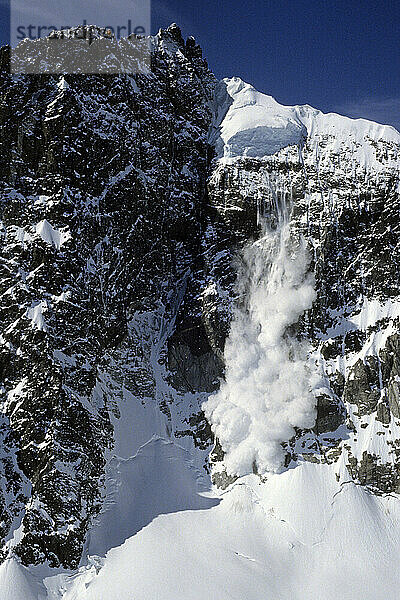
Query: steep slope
x,y
160,232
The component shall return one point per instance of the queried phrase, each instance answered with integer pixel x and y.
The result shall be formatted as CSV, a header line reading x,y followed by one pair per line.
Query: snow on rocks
x,y
36,315
50,235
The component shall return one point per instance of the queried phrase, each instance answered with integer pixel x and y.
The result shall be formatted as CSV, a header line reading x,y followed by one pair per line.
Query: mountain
x,y
199,345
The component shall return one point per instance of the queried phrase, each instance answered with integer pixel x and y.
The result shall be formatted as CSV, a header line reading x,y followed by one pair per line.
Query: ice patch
x,y
62,85
263,140
22,235
373,310
159,479
50,235
42,200
36,315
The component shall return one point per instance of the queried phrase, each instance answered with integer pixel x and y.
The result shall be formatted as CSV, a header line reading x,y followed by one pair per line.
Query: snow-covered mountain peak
x,y
250,123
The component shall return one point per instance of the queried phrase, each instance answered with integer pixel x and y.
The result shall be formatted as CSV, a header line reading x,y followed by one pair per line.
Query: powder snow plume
x,y
269,376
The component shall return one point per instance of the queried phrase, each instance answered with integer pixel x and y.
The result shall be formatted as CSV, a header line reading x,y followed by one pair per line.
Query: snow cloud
x,y
269,377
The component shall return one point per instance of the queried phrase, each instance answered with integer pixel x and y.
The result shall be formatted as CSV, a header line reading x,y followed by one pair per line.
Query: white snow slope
x,y
308,533
298,537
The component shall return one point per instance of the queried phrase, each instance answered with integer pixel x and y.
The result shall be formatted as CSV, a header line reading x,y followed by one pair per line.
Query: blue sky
x,y
335,55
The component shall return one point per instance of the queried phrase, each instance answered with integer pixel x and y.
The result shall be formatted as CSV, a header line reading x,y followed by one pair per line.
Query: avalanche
x,y
268,376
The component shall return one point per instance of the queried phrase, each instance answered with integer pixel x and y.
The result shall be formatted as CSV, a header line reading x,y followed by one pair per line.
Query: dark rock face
x,y
379,478
390,357
329,415
362,386
113,211
102,203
